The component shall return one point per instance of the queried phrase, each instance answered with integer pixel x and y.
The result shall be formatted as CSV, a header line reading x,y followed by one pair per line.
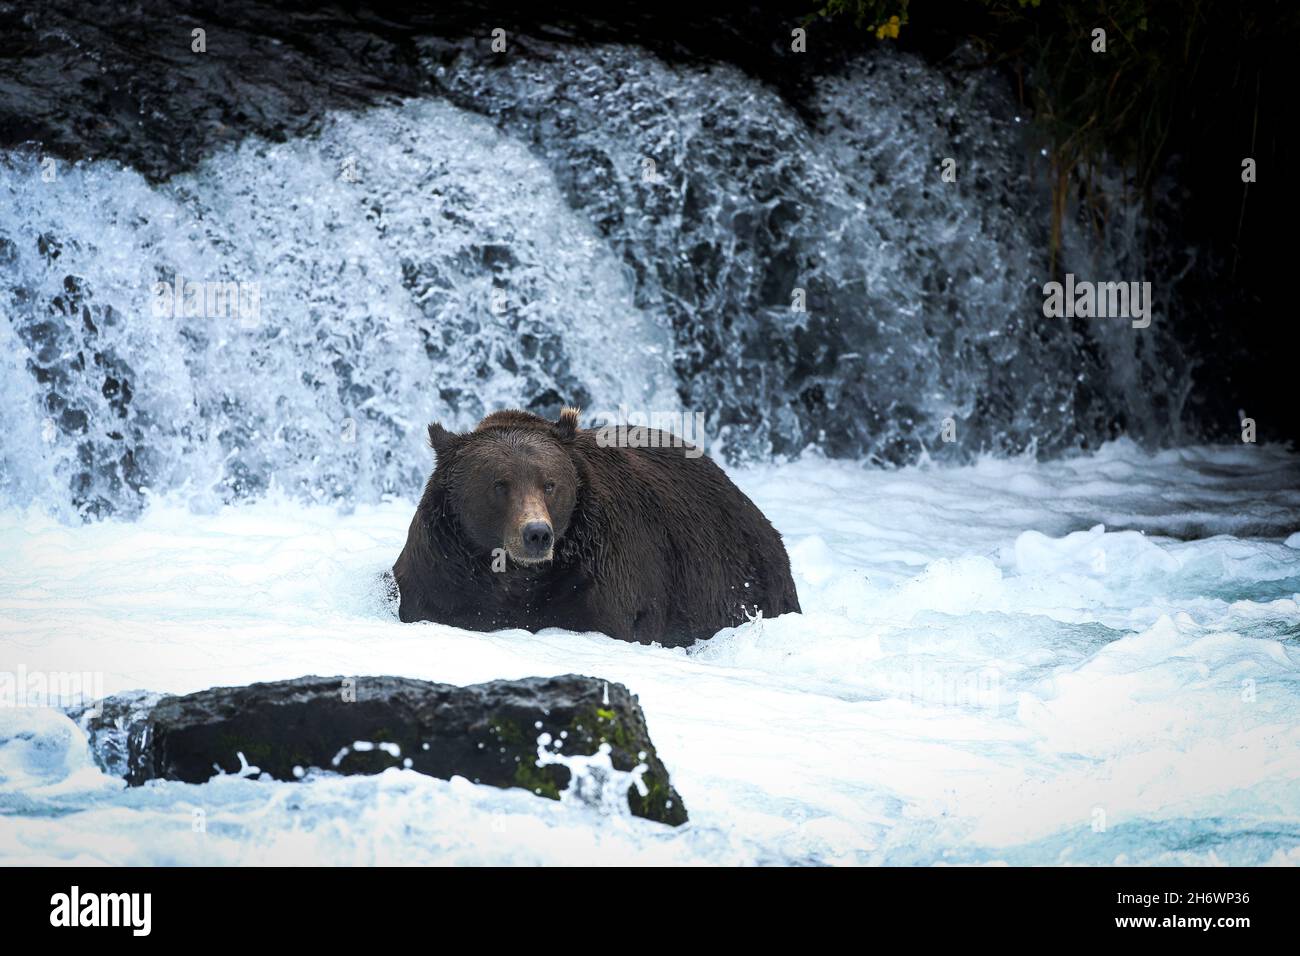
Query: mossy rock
x,y
488,733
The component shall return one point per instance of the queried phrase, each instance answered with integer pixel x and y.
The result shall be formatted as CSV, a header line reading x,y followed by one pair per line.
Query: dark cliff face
x,y
121,80
802,167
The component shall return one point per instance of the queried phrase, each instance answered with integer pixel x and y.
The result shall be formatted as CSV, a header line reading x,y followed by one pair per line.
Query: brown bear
x,y
528,523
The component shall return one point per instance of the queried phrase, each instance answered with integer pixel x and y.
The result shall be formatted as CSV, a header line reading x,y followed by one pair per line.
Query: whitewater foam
x,y
968,682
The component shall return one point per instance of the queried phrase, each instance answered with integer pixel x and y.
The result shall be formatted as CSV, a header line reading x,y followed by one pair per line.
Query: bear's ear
x,y
566,427
441,440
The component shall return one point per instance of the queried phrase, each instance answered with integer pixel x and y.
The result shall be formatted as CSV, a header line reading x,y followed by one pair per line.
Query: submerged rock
x,y
574,738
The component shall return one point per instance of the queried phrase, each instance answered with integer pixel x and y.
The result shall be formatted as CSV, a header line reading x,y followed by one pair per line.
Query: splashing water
x,y
981,674
594,782
456,281
613,230
923,297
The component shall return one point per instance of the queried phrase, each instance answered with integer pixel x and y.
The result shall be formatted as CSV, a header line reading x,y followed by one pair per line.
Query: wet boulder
x,y
574,738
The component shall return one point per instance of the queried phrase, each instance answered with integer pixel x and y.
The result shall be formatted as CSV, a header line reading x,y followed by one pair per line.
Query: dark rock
x,y
495,734
122,81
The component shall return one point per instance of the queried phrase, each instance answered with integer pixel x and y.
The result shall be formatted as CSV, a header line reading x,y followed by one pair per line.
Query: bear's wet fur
x,y
528,523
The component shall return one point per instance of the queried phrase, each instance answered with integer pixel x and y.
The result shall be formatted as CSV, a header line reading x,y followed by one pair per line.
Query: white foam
x,y
966,684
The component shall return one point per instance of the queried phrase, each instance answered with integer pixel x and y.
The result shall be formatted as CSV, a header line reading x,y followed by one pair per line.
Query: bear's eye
x,y
501,486
549,487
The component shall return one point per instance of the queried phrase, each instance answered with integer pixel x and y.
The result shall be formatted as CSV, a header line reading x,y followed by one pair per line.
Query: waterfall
x,y
585,226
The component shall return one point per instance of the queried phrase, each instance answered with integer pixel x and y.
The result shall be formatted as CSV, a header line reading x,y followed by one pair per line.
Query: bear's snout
x,y
537,537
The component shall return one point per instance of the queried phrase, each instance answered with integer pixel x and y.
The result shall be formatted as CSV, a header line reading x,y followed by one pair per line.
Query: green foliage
x,y
884,17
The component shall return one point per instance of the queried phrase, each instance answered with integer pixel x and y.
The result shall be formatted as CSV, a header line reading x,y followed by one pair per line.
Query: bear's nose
x,y
538,537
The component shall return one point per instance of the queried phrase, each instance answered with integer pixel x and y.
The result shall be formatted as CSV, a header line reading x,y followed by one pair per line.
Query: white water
x,y
438,259
977,677
448,281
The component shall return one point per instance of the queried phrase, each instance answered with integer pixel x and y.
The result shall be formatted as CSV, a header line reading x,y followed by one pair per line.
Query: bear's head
x,y
511,482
